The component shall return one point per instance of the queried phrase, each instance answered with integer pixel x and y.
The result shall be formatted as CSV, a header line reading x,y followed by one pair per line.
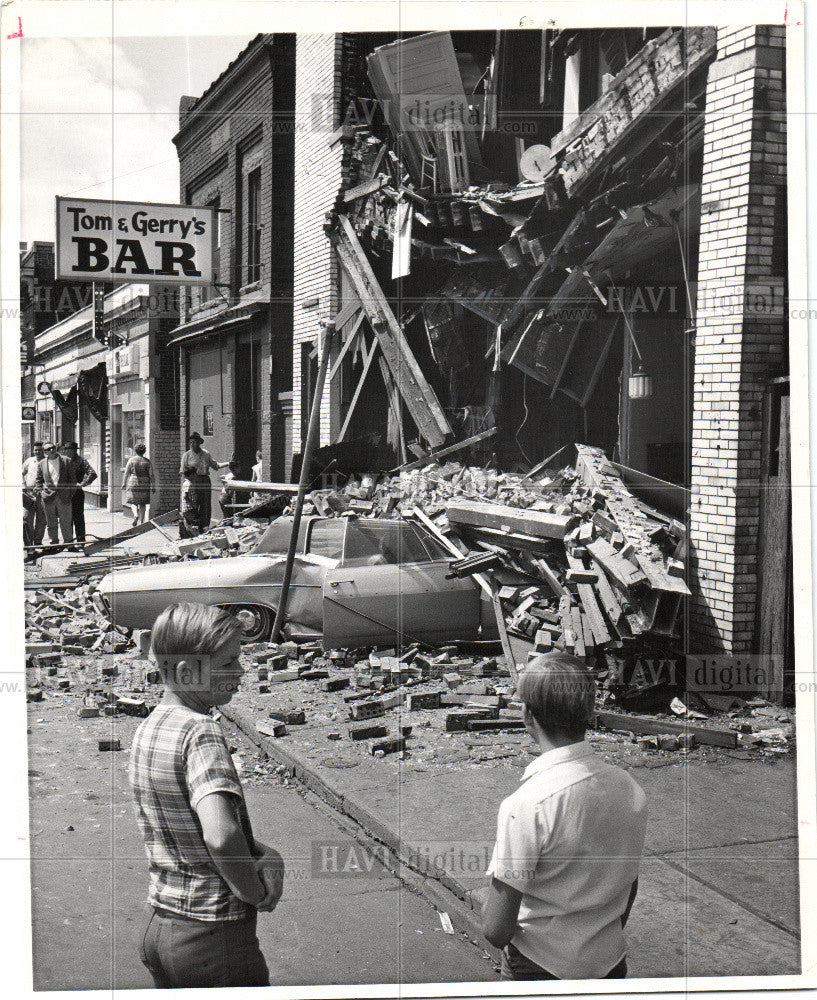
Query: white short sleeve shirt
x,y
570,840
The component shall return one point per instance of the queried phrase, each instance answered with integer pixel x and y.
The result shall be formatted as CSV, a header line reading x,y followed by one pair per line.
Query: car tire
x,y
256,619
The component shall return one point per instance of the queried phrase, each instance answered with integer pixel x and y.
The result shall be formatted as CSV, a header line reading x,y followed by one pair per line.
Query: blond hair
x,y
560,693
192,628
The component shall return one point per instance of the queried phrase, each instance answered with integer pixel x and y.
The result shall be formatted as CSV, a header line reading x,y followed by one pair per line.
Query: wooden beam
x,y
587,596
394,403
91,548
449,450
622,570
345,314
367,364
421,400
641,725
246,484
368,187
503,518
455,550
499,614
353,333
542,465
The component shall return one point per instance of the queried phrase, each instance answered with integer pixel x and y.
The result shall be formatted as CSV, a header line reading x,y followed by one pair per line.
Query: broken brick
x,y
290,717
367,731
367,710
334,683
391,744
423,699
272,729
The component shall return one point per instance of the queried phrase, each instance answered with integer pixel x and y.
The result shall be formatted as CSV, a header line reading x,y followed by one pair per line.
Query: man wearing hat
x,y
83,475
196,496
56,486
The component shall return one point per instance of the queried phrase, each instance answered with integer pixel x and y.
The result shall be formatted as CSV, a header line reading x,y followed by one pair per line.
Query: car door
x,y
391,587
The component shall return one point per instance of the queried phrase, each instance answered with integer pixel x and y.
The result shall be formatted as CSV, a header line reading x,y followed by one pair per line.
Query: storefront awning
x,y
225,319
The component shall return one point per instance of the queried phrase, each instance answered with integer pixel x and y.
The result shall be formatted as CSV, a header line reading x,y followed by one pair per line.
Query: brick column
x,y
741,328
317,181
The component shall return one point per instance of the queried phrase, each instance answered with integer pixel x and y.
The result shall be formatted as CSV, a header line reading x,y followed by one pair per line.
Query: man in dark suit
x,y
83,475
56,486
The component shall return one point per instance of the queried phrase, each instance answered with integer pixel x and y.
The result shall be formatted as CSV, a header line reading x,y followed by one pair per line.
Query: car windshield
x,y
275,539
370,543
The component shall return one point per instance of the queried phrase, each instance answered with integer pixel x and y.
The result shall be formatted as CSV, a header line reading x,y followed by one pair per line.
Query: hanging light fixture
x,y
640,384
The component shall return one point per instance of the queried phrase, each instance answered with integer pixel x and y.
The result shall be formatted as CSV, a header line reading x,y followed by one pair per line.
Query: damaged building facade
x,y
234,342
539,238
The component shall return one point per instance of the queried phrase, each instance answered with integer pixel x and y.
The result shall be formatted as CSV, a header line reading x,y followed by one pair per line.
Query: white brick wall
x,y
317,180
734,354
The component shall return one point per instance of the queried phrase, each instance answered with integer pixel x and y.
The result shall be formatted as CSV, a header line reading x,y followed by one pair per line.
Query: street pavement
x,y
718,892
718,889
89,877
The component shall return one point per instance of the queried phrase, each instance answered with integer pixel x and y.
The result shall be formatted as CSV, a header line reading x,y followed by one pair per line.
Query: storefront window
x,y
133,426
45,426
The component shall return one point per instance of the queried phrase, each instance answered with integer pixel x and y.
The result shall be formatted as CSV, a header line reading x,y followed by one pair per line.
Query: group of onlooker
x,y
54,481
53,492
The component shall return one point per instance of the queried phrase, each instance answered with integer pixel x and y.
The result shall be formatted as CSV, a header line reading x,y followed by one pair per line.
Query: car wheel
x,y
256,621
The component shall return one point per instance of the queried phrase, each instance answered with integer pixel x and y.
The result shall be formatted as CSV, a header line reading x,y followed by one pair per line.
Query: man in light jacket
x,y
35,512
56,487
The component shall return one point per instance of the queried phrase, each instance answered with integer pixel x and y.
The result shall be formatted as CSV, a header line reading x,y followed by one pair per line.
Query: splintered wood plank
x,y
611,604
566,622
589,641
578,631
499,614
367,364
347,345
595,618
421,400
623,572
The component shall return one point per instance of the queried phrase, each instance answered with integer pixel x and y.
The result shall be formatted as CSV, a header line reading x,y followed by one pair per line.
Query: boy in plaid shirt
x,y
208,876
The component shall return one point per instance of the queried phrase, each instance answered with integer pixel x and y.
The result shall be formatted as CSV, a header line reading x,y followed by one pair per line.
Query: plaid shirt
x,y
178,757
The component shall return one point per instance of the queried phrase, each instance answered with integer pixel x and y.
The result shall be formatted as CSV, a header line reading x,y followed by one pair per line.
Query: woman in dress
x,y
137,482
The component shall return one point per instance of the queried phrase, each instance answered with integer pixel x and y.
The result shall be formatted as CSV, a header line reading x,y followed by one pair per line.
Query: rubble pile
x,y
230,539
580,564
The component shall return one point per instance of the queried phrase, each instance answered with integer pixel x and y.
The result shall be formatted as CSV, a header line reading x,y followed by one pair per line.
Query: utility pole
x,y
328,332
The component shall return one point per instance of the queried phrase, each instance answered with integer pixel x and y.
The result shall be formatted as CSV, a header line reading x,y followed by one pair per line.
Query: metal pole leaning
x,y
328,331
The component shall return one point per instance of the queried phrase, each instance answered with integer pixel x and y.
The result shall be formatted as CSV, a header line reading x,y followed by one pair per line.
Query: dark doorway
x,y
247,404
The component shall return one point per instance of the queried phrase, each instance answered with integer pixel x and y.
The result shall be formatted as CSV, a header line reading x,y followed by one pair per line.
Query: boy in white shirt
x,y
569,841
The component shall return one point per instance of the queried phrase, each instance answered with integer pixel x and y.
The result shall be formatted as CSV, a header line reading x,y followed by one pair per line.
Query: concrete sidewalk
x,y
718,890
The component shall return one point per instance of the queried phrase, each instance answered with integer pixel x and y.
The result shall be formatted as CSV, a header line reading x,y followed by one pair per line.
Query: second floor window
x,y
254,226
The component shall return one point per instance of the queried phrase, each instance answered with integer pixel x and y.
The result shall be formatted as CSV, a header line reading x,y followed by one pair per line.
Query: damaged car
x,y
355,582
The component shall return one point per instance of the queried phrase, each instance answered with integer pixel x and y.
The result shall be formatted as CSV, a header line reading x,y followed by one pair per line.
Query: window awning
x,y
225,319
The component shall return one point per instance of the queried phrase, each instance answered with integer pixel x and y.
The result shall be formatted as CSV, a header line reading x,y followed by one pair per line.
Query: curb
x,y
436,885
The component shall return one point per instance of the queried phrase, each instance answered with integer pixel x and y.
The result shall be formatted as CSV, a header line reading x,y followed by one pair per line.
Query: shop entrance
x,y
247,404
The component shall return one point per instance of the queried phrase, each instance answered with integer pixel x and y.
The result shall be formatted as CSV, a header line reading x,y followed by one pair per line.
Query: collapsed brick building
x,y
525,239
628,290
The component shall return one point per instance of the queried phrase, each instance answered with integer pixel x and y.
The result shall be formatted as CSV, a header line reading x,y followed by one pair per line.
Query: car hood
x,y
227,571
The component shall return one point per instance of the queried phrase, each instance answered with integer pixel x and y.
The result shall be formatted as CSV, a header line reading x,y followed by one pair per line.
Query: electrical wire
x,y
527,414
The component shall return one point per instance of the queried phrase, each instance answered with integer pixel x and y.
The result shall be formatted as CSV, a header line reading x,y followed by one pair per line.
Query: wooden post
x,y
304,479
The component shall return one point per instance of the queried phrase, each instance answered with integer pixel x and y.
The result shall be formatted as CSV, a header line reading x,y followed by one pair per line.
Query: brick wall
x,y
318,80
740,342
243,124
